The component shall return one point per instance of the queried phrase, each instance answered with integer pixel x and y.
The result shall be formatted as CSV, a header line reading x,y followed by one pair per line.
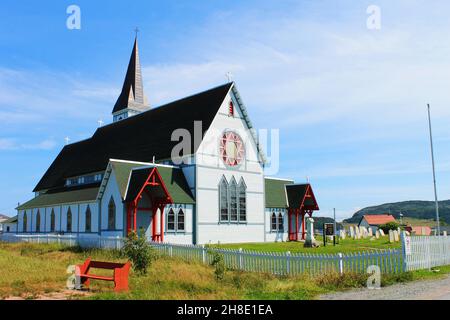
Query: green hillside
x,y
413,209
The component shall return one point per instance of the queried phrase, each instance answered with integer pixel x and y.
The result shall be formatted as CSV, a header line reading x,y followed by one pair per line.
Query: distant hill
x,y
319,221
413,209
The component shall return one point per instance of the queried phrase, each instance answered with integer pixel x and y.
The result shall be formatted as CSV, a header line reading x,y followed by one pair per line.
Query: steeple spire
x,y
132,99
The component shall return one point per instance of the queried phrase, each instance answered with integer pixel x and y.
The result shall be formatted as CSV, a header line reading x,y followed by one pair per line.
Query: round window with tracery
x,y
232,150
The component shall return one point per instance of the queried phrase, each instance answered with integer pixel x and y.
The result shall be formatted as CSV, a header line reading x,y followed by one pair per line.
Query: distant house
x,y
8,225
419,230
374,221
3,218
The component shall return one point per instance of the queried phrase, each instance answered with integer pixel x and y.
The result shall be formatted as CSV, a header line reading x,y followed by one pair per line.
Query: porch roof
x,y
275,190
301,193
173,178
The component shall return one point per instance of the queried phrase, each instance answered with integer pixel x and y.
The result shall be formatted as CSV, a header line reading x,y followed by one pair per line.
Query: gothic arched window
x,y
180,220
111,214
69,220
38,221
273,225
242,201
52,221
280,222
171,220
25,222
223,199
88,220
233,201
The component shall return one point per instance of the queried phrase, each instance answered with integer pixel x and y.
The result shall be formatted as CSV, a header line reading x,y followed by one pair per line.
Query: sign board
x,y
408,246
329,229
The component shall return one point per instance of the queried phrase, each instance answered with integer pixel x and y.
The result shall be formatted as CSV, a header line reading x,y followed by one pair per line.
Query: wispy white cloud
x,y
9,144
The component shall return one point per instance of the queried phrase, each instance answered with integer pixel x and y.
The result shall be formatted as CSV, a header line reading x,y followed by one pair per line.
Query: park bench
x,y
120,275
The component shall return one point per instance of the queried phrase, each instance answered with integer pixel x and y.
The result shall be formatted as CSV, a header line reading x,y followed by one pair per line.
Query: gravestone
x,y
370,232
377,234
444,233
381,232
342,234
391,236
352,232
396,236
310,241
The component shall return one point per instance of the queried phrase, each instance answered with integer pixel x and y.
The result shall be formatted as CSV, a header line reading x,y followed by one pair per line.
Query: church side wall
x,y
112,191
186,236
272,235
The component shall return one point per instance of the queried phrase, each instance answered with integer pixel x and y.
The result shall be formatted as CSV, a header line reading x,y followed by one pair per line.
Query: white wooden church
x,y
126,177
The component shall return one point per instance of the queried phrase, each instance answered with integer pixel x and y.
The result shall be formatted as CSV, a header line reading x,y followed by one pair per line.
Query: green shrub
x,y
218,262
389,226
139,252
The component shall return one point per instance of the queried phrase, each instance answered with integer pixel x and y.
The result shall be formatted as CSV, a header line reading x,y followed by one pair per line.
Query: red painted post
x,y
161,210
134,217
303,225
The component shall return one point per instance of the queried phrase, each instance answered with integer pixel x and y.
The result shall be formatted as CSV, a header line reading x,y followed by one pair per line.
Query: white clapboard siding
x,y
426,252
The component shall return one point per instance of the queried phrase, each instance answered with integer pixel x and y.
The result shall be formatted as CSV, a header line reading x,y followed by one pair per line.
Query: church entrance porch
x,y
302,202
145,200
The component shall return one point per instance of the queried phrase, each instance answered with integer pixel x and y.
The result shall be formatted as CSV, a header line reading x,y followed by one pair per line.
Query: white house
x,y
8,225
191,171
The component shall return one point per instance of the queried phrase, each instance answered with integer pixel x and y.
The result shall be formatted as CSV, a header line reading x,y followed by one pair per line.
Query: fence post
x,y
241,260
203,254
341,263
288,262
403,241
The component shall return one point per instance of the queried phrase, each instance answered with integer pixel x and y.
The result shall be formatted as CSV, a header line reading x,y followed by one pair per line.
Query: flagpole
x,y
434,174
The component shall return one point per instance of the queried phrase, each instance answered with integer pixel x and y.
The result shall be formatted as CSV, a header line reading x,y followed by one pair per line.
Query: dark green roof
x,y
173,178
276,192
10,220
51,199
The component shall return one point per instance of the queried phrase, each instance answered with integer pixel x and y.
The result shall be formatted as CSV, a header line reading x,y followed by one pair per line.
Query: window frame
x,y
112,212
176,214
279,213
88,211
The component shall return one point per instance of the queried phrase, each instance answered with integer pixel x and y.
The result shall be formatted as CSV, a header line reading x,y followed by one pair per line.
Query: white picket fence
x,y
389,261
425,252
67,240
417,252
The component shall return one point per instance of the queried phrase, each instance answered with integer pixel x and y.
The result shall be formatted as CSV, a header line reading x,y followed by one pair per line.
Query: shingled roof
x,y
138,138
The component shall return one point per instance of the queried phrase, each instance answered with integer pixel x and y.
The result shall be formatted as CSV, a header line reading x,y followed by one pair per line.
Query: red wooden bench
x,y
120,276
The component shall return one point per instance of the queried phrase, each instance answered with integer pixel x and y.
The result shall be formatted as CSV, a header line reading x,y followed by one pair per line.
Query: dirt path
x,y
419,290
62,295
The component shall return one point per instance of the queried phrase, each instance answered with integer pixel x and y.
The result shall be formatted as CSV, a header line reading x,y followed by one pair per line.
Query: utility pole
x,y
334,227
434,173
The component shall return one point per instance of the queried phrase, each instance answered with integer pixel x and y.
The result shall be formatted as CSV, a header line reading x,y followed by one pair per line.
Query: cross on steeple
x,y
229,76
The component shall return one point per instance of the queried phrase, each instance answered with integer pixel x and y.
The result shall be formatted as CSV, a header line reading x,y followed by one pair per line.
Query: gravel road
x,y
419,290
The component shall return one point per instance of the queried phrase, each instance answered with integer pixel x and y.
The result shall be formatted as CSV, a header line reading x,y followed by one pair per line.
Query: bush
x,y
139,252
389,226
218,262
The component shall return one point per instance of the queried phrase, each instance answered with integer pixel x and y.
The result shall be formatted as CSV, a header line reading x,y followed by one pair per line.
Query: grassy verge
x,y
29,270
344,246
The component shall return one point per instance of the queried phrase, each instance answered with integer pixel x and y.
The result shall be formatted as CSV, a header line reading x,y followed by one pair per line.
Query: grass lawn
x,y
29,270
344,246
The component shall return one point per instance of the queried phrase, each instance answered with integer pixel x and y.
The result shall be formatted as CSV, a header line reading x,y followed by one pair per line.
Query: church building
x,y
190,172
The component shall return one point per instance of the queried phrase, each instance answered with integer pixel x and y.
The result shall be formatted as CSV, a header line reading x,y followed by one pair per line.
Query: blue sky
x,y
350,102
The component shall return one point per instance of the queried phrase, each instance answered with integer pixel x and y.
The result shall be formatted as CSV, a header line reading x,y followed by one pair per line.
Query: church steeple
x,y
132,100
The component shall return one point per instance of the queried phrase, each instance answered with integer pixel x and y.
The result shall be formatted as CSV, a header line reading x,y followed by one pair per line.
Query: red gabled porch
x,y
301,202
147,193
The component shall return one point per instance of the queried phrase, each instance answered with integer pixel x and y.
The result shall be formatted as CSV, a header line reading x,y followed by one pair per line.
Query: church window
x,y
180,222
280,222
273,225
52,221
88,220
25,222
233,201
38,221
231,109
223,199
242,202
171,220
111,214
69,221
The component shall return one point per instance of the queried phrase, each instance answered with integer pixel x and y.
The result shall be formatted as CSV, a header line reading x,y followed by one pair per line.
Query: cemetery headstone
x,y
381,232
377,234
396,236
391,236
